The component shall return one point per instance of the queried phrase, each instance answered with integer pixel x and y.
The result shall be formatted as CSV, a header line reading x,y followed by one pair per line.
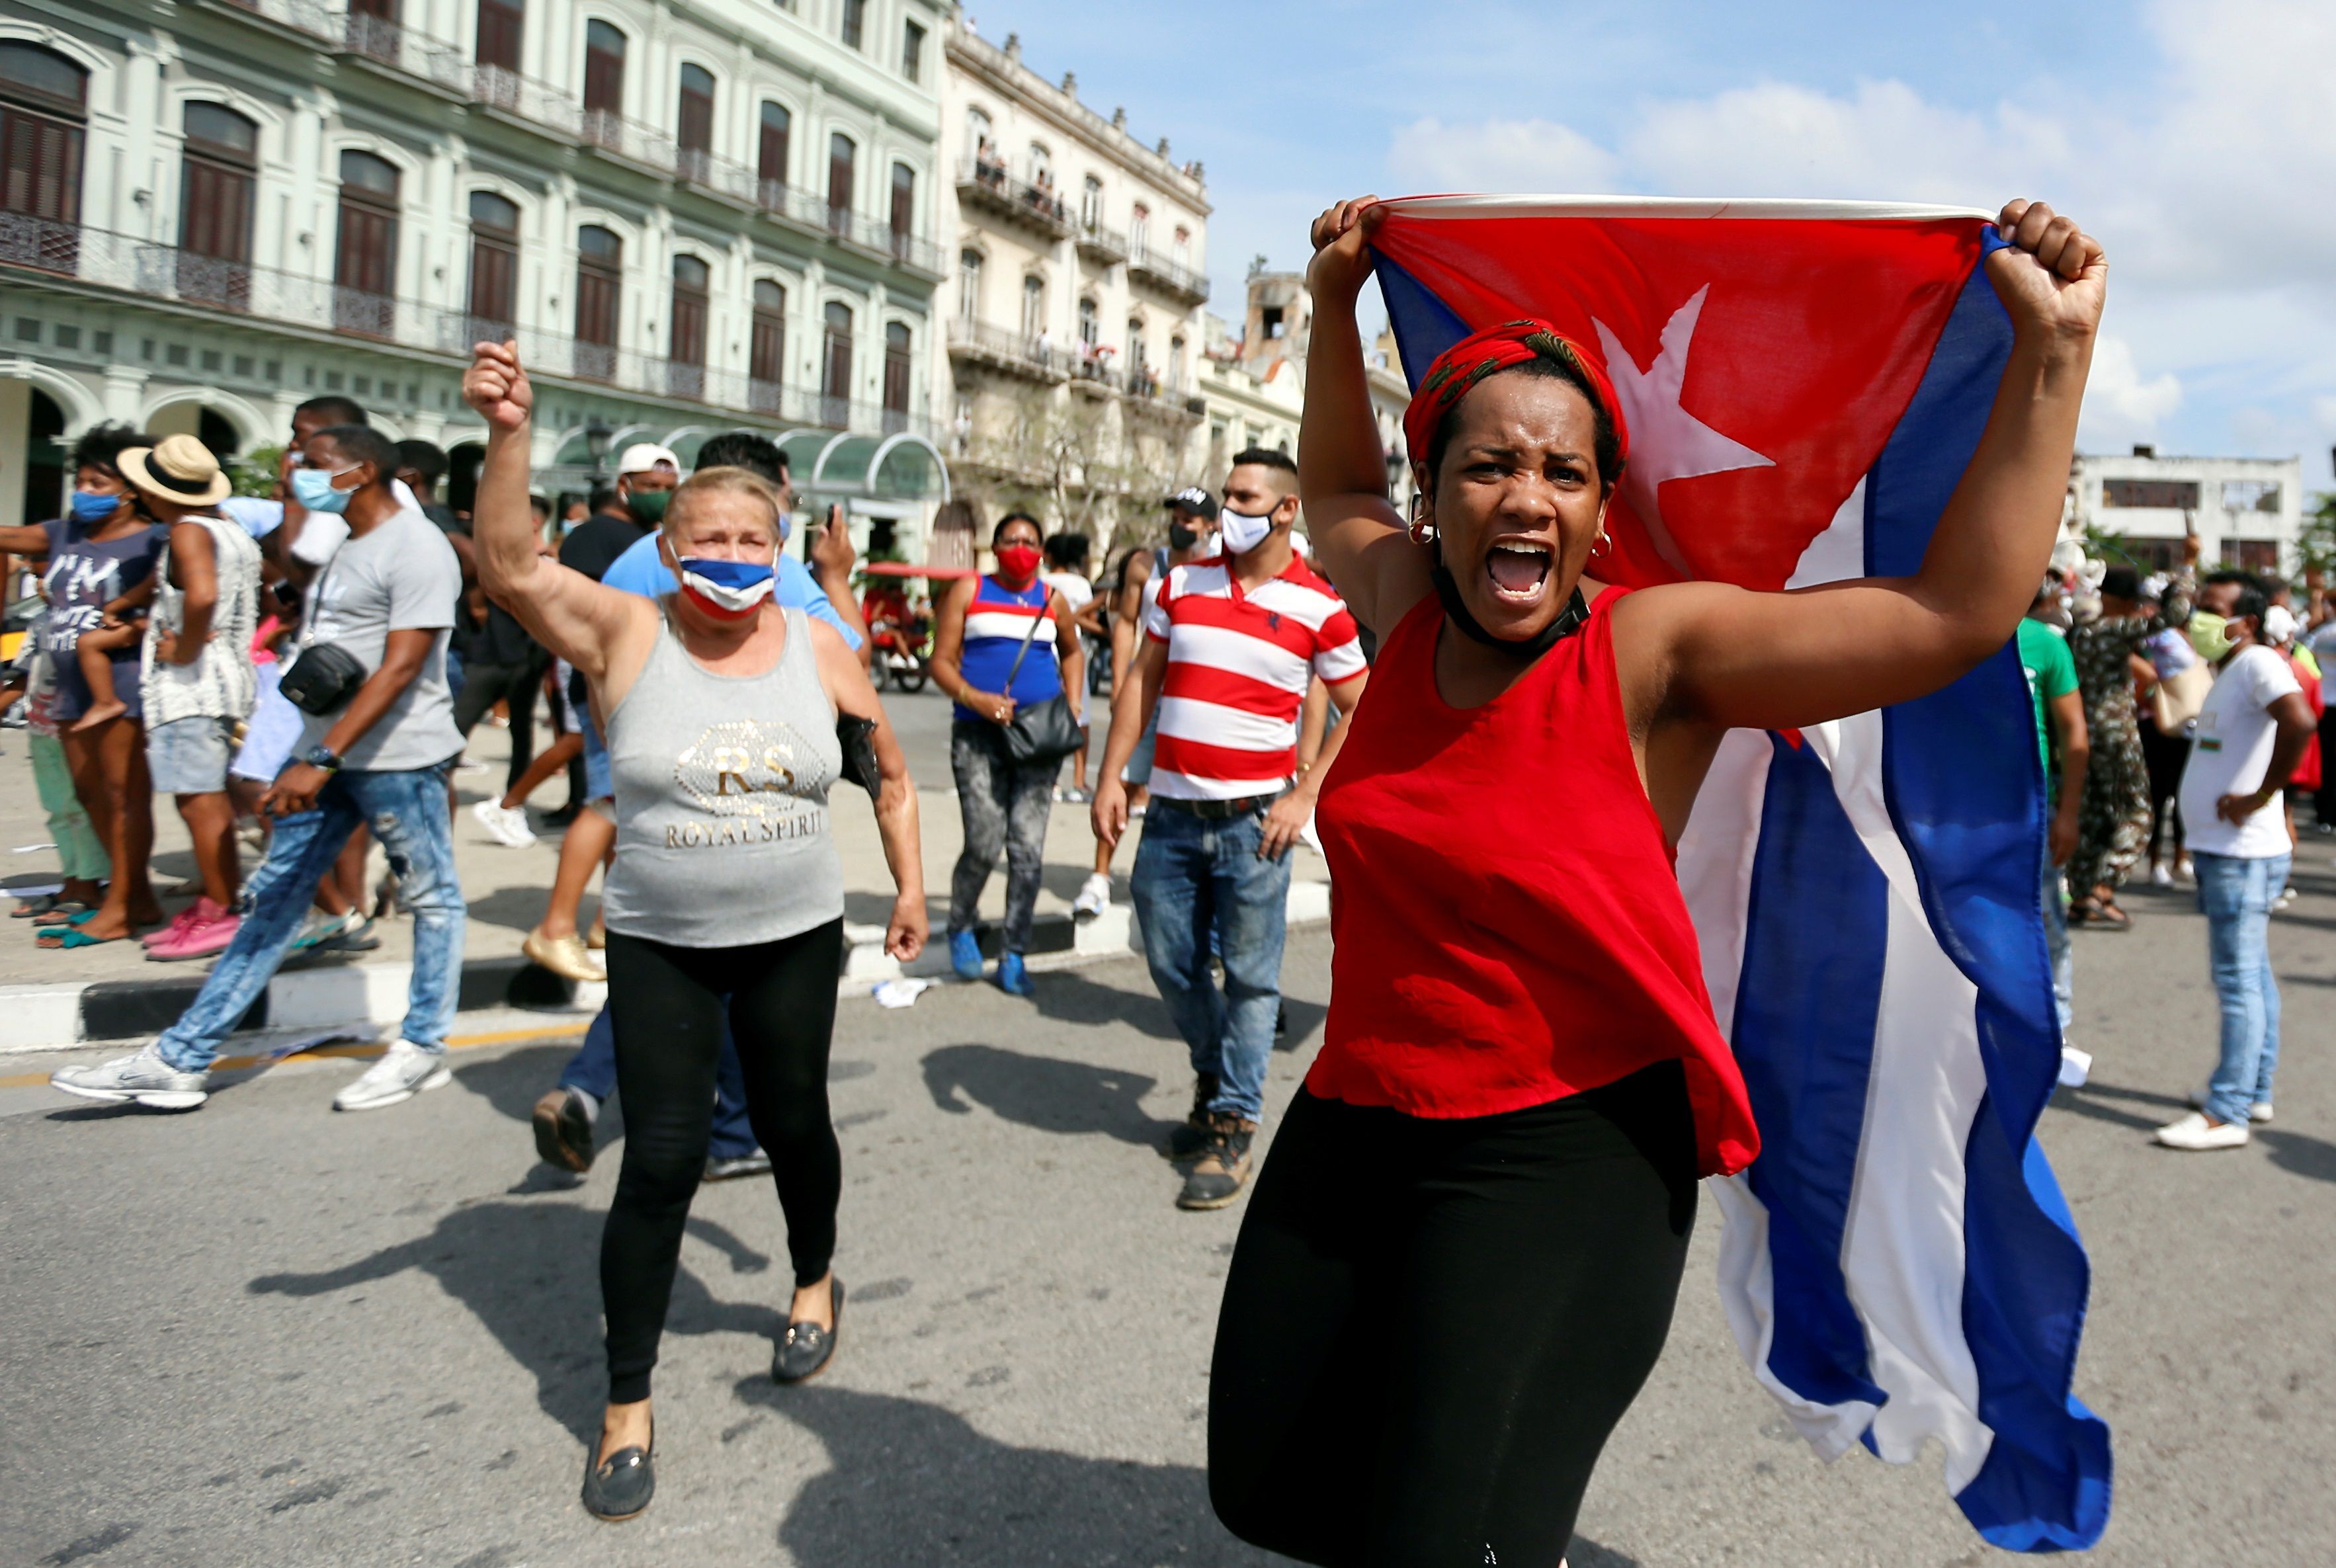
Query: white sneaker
x,y
2193,1132
142,1078
2261,1111
404,1070
1095,897
2160,877
507,827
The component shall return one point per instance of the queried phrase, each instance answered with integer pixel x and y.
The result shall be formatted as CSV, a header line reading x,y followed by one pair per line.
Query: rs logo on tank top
x,y
747,768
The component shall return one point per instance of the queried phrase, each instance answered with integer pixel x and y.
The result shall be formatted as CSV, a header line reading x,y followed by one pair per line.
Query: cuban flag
x,y
1804,383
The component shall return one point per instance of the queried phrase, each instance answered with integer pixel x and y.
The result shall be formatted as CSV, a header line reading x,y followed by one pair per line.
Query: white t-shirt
x,y
1076,590
2230,754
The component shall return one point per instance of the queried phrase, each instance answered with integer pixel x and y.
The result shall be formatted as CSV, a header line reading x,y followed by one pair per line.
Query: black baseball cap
x,y
1194,502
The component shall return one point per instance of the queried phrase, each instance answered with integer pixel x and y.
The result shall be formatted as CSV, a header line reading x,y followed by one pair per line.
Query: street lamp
x,y
596,443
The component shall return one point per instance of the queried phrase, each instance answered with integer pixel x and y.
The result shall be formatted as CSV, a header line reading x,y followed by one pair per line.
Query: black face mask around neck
x,y
1447,591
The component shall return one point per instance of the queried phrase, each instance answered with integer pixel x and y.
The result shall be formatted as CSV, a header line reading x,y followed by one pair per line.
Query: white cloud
x,y
2213,185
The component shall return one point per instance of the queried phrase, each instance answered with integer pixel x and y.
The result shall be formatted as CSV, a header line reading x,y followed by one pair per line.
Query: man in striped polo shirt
x,y
1229,646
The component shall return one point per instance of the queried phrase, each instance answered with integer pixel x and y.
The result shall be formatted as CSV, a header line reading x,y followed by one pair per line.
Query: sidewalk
x,y
54,1000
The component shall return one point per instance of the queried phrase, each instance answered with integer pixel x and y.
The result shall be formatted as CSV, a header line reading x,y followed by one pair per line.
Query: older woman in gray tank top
x,y
720,711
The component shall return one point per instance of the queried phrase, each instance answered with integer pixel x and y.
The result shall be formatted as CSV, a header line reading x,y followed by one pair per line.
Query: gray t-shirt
x,y
401,577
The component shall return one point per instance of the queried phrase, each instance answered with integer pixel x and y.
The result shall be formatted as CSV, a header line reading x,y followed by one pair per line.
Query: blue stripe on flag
x,y
1806,1008
1962,777
1425,327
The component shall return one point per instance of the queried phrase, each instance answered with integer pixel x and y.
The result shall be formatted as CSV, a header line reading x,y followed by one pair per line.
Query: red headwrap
x,y
1479,355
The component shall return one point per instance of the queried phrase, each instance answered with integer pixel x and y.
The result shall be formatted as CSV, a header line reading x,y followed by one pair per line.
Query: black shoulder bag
x,y
1045,732
325,675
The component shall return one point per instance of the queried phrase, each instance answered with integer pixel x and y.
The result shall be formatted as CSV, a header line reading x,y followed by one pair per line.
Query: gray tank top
x,y
722,781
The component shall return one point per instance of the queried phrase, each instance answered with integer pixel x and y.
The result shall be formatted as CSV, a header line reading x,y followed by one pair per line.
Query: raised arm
x,y
1341,467
1725,657
577,618
849,687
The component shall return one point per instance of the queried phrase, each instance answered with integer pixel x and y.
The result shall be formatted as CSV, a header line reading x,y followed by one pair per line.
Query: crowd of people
x,y
1521,1078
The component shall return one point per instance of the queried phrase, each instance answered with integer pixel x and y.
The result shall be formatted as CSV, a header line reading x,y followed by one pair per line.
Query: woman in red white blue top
x,y
985,625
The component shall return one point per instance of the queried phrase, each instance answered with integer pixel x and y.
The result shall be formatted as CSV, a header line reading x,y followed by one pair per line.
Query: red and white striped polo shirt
x,y
1238,668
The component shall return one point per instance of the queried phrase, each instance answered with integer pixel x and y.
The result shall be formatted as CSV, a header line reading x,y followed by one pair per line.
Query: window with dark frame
x,y
771,152
855,22
694,121
904,207
495,265
43,103
842,157
2167,494
766,357
912,50
835,374
219,161
898,360
502,24
686,328
604,70
599,277
364,255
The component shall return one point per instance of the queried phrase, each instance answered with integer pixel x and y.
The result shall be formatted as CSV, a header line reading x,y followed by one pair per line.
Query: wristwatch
x,y
322,756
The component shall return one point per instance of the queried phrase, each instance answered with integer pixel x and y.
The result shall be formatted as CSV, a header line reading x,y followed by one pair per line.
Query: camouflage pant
x,y
2113,822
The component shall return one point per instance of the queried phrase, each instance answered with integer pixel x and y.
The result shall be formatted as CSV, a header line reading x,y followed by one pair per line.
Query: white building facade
x,y
694,215
2247,512
1073,336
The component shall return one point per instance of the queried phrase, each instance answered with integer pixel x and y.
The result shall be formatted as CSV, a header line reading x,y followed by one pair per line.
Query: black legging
x,y
485,685
666,1005
1430,1326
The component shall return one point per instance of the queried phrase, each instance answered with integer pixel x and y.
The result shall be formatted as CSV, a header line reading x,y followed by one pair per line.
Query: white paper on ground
x,y
30,848
900,993
28,892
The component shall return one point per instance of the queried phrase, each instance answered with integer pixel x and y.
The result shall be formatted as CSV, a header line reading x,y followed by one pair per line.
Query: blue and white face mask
x,y
727,587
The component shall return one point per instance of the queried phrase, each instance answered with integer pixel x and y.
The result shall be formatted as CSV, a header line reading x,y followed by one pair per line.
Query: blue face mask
x,y
90,508
313,488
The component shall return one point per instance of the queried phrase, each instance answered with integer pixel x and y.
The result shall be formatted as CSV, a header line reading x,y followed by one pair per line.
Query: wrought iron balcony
x,y
1018,353
986,184
1172,279
1097,243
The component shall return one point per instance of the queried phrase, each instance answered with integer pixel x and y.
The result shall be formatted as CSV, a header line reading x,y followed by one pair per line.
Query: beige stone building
x,y
1071,349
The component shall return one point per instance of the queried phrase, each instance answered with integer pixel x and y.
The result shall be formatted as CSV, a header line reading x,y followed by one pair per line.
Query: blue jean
x,y
2056,942
1193,875
2235,895
407,812
593,1070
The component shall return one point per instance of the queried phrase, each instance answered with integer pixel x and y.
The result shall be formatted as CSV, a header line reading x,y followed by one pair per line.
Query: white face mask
x,y
1241,532
2278,624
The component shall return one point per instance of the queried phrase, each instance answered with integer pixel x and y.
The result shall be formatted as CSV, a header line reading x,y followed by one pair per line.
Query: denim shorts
x,y
599,785
189,756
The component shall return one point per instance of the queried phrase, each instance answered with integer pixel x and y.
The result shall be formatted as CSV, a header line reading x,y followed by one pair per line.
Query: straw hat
x,y
177,468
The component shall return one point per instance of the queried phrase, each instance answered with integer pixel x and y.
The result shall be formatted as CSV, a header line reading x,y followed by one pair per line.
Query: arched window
x,y
1136,358
1181,252
1091,205
897,361
495,265
599,277
1176,363
43,100
1090,328
604,70
687,318
215,172
694,121
771,153
767,364
904,207
1034,307
987,167
969,286
365,265
841,159
835,374
1139,233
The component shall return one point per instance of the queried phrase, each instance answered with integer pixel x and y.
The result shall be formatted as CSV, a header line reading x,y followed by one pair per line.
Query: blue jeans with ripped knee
x,y
407,812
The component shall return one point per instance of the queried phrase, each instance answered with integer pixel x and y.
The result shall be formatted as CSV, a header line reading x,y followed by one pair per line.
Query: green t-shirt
x,y
2044,658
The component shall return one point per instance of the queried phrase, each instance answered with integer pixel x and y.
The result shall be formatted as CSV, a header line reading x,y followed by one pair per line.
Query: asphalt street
x,y
264,1334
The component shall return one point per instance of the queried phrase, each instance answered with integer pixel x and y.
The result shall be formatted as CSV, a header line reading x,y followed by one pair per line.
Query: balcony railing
x,y
101,258
1150,266
402,49
302,15
1031,354
1097,243
984,179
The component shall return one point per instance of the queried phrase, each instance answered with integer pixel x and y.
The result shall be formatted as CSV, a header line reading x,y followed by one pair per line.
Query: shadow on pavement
x,y
530,1272
912,1483
1043,1092
511,1083
2298,1154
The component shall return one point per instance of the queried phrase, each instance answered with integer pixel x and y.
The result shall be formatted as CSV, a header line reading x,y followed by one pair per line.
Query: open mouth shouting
x,y
1518,570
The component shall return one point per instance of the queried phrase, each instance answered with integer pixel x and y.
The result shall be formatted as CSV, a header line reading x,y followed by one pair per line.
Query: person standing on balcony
x,y
646,476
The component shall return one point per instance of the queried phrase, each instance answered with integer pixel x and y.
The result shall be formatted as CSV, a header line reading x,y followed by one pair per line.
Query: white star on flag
x,y
1667,442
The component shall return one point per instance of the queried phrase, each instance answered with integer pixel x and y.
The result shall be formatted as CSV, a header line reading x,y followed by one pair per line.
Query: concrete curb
x,y
321,993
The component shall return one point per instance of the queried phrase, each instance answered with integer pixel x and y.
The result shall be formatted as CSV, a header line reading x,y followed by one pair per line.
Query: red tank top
x,y
1507,922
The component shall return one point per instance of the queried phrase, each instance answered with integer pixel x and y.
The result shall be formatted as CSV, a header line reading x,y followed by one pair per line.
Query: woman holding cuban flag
x,y
728,718
1460,1261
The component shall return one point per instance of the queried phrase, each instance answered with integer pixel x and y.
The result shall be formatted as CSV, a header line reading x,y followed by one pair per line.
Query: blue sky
x,y
2191,135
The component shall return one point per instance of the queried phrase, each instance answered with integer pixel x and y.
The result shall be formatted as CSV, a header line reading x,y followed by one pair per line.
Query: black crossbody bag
x,y
1046,731
325,675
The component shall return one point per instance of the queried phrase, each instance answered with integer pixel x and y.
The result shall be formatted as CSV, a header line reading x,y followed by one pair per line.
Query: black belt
x,y
1218,811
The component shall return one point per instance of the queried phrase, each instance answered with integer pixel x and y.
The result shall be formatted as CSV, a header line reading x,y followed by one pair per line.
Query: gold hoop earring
x,y
1421,531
